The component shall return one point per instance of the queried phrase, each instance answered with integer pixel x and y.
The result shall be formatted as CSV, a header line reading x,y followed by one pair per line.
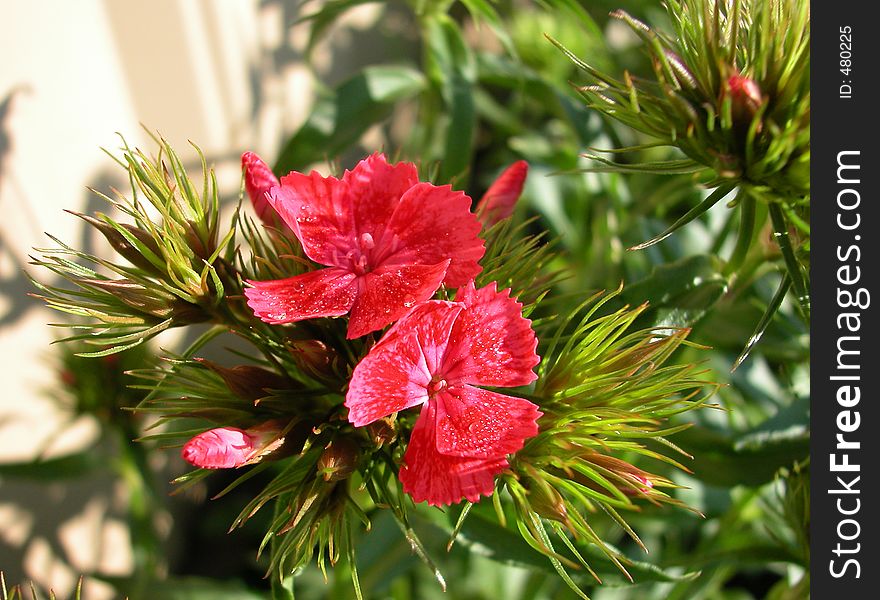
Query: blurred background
x,y
241,75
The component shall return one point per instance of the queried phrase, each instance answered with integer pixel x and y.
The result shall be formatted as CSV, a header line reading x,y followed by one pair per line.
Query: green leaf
x,y
687,287
722,460
322,19
340,118
692,214
765,321
453,70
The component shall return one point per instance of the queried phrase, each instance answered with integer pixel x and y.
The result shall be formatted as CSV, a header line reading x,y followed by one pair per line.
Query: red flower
x,y
434,356
227,447
388,240
258,180
500,199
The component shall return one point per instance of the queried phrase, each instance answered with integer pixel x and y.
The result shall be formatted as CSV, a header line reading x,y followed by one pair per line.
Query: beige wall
x,y
73,74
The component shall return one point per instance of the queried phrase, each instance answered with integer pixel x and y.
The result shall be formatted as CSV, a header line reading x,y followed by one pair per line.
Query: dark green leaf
x,y
340,118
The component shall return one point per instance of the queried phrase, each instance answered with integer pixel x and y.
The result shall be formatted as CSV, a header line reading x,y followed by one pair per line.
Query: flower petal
x,y
492,344
472,422
432,224
376,187
500,199
258,180
431,322
318,210
222,448
388,292
428,475
322,293
391,378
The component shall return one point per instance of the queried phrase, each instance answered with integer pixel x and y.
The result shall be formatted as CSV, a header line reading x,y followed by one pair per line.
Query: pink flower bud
x,y
744,89
228,447
500,199
745,96
258,180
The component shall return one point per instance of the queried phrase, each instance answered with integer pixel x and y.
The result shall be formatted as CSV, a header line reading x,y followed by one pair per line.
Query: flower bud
x,y
339,460
123,246
547,501
500,199
248,381
258,180
316,359
745,96
636,479
230,447
381,432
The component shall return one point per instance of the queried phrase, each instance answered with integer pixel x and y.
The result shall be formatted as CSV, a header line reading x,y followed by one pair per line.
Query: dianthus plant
x,y
407,352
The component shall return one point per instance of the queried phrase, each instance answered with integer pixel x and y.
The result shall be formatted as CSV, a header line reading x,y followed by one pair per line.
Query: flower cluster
x,y
388,242
403,354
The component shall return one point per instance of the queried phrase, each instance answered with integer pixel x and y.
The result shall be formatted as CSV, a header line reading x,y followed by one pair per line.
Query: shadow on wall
x,y
14,285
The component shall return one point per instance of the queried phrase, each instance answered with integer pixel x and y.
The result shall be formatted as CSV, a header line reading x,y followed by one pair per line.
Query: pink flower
x,y
258,180
228,447
500,199
435,356
388,240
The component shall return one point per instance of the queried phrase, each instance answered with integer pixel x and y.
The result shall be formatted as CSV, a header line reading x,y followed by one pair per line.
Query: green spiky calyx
x,y
731,91
607,397
175,271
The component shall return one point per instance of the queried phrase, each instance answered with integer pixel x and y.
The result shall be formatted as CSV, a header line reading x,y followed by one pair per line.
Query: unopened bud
x,y
381,432
135,295
230,447
339,460
258,180
123,246
316,359
745,96
547,501
500,199
248,381
637,479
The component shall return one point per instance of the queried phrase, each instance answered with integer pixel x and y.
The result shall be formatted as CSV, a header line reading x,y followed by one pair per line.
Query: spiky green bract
x,y
177,267
731,91
607,394
520,261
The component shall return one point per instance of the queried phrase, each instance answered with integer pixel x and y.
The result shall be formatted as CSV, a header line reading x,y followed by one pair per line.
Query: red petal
x,y
472,422
432,224
376,187
259,179
500,199
431,322
321,293
222,448
318,210
391,378
492,344
426,474
388,292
